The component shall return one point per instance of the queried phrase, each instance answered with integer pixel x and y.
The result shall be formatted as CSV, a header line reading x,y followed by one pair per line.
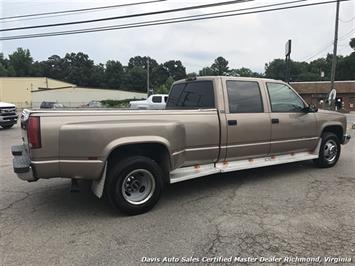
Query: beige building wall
x,y
18,90
77,96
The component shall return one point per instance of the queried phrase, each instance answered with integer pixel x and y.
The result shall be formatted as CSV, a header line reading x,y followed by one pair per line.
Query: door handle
x,y
275,120
232,122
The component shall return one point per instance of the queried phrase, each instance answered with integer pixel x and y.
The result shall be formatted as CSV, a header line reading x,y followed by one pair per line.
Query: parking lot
x,y
288,210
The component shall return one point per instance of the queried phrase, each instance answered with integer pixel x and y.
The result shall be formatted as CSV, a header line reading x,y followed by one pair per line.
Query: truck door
x,y
293,129
248,124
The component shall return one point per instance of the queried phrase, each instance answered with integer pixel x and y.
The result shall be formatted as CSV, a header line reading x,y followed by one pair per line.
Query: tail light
x,y
34,132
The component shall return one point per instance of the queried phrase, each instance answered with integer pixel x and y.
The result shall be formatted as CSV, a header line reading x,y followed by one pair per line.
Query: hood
x,y
2,104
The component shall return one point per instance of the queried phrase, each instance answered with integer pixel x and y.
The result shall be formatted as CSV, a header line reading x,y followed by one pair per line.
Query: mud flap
x,y
97,186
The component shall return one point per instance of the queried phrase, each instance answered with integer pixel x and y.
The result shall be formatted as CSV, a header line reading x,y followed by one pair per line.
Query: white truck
x,y
153,102
8,115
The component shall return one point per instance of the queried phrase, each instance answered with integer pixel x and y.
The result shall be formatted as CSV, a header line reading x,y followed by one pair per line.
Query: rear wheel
x,y
134,184
329,150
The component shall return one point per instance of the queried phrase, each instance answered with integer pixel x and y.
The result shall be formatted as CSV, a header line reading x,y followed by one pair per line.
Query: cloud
x,y
245,41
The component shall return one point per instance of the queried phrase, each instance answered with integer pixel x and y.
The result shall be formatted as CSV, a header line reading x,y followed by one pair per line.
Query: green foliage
x,y
114,74
175,69
207,71
21,62
244,72
79,69
220,66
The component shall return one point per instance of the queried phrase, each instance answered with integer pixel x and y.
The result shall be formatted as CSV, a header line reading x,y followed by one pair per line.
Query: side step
x,y
186,173
21,164
16,150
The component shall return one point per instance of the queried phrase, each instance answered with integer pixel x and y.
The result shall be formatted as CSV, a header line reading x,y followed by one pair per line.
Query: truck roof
x,y
225,77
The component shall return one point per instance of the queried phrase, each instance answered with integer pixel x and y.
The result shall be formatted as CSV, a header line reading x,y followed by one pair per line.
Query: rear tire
x,y
134,184
329,150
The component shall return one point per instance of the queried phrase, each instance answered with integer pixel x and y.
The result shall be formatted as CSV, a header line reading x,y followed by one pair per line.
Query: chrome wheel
x,y
330,150
138,186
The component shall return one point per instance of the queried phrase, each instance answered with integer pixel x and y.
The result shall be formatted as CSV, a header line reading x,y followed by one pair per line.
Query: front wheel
x,y
134,184
7,126
329,150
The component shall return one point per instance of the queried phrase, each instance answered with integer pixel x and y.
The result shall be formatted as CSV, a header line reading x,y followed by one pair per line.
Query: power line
x,y
127,16
81,10
330,44
156,22
319,52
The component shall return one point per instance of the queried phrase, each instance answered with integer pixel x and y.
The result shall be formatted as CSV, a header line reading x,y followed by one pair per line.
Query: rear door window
x,y
244,97
192,95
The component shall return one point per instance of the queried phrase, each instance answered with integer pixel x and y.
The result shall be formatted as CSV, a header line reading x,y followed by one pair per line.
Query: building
x,y
28,92
79,96
18,90
316,92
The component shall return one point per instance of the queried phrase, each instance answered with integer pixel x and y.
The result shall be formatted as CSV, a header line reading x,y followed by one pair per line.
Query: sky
x,y
245,41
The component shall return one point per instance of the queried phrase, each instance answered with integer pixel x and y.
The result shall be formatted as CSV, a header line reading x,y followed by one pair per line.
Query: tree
x,y
158,75
220,66
97,77
206,71
114,74
243,72
78,69
21,62
141,61
275,69
135,79
54,67
175,69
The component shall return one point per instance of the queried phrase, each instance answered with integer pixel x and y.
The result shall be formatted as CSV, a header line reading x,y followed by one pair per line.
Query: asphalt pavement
x,y
292,210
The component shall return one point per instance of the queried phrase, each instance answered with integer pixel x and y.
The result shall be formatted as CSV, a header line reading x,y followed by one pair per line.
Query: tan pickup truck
x,y
211,125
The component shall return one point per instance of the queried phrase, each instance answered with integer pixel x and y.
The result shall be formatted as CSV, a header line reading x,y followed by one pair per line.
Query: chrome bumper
x,y
22,164
8,119
346,139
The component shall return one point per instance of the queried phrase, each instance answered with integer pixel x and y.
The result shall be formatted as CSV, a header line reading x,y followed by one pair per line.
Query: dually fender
x,y
174,142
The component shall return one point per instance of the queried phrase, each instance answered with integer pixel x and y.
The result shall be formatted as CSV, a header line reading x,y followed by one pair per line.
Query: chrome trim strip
x,y
196,149
178,152
65,161
202,149
271,142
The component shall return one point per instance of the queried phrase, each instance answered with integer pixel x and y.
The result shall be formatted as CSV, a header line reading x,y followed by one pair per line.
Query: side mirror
x,y
310,109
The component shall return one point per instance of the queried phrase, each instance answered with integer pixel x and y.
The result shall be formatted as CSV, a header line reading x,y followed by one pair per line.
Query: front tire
x,y
329,150
7,126
134,184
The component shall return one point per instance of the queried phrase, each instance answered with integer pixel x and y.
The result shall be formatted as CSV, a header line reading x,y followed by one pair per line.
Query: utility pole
x,y
148,91
334,61
288,60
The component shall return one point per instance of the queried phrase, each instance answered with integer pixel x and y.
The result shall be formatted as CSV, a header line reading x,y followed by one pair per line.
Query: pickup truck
x,y
8,115
153,102
210,125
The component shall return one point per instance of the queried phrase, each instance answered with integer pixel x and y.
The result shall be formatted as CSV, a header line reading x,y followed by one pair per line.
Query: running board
x,y
191,172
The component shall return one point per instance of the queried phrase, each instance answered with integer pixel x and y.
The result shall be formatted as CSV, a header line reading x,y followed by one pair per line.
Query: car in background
x,y
154,101
94,104
51,105
8,115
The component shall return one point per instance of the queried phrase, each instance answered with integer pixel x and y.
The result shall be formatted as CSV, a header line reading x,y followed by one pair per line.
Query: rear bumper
x,y
346,139
22,163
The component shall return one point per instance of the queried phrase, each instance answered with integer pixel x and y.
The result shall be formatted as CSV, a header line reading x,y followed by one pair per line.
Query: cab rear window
x,y
191,95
